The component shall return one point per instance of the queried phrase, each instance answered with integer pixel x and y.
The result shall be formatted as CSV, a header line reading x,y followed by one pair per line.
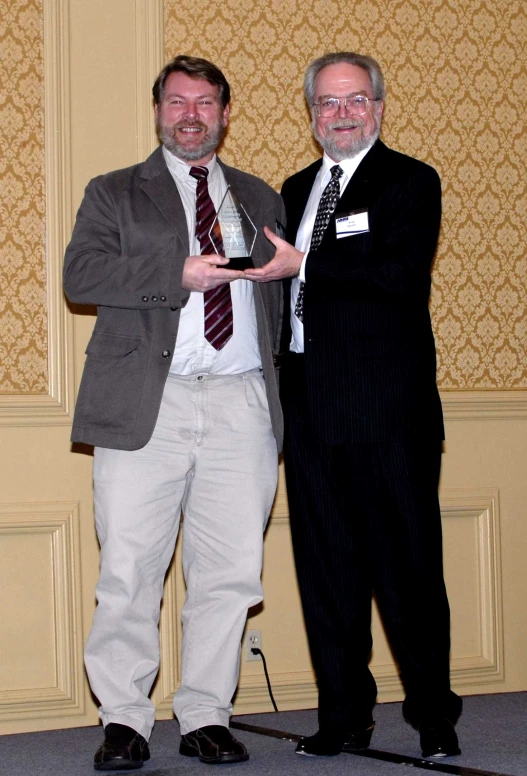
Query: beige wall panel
x,y
41,673
472,541
492,455
26,561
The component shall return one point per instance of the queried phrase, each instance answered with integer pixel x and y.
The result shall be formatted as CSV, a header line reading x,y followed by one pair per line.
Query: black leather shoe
x,y
438,738
358,739
123,749
328,743
213,744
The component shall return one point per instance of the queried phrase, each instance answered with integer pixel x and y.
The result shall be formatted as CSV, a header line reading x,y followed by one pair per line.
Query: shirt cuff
x,y
302,273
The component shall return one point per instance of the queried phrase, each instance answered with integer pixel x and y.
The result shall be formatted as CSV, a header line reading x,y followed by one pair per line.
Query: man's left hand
x,y
284,264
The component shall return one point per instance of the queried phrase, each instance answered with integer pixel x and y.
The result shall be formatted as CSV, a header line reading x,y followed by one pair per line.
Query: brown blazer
x,y
126,256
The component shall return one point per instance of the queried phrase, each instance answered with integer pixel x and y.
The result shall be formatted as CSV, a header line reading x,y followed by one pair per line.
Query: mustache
x,y
191,123
345,124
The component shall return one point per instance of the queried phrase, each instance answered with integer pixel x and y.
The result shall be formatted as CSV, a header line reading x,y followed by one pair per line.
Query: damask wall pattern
x,y
456,76
23,318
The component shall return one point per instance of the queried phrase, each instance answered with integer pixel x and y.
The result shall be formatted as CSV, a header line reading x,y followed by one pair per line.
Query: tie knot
x,y
336,172
199,173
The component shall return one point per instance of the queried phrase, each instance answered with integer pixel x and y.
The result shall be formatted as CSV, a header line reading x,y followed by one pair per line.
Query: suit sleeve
x,y
395,257
99,271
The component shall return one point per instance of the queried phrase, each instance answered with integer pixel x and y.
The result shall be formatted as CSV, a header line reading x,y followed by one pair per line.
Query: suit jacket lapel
x,y
159,185
358,193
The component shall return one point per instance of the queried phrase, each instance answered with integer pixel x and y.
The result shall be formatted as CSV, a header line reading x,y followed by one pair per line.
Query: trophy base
x,y
240,263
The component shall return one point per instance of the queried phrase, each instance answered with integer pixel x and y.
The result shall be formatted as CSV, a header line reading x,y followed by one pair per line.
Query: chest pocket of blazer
x,y
112,345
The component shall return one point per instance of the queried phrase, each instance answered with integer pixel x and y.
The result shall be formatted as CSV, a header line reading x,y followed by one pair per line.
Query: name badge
x,y
355,222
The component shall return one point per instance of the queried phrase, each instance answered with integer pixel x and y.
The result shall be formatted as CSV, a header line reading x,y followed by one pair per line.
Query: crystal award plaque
x,y
237,231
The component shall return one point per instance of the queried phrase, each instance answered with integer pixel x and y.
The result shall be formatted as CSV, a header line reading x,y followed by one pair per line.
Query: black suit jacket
x,y
369,348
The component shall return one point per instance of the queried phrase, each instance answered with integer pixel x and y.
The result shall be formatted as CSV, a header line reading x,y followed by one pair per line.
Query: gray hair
x,y
369,64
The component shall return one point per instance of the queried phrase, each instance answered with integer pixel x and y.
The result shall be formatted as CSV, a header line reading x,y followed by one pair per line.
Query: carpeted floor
x,y
492,733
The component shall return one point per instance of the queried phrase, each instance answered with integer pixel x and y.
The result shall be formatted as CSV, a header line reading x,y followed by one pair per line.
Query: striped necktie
x,y
326,208
217,301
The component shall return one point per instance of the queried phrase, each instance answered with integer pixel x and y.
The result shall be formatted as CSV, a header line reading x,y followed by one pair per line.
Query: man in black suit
x,y
364,424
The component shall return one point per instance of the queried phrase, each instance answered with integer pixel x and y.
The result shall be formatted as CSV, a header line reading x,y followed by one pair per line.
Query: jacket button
x,y
165,353
154,299
163,298
173,309
144,298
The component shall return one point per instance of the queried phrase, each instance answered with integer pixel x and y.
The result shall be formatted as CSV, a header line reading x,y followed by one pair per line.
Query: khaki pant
x,y
213,456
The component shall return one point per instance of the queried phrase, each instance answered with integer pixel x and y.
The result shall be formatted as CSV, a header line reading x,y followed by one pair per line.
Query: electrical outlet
x,y
253,639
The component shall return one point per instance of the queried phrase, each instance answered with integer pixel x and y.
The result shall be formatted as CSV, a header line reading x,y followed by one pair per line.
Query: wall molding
x,y
291,690
484,405
60,520
150,53
53,408
482,506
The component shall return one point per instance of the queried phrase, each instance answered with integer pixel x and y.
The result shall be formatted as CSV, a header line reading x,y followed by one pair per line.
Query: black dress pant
x,y
365,521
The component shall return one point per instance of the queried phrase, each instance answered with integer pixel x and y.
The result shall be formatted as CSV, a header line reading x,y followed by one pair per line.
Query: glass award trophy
x,y
237,231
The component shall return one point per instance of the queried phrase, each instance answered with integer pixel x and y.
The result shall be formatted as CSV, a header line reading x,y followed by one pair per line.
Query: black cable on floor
x,y
257,651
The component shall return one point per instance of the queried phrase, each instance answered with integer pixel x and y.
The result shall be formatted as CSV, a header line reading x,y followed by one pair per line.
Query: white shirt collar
x,y
348,165
181,169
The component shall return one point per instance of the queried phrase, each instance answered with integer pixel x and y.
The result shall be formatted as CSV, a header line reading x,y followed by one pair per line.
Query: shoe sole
x,y
435,755
362,741
189,751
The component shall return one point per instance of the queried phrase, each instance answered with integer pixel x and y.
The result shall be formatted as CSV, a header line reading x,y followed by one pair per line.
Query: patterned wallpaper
x,y
456,74
23,318
456,77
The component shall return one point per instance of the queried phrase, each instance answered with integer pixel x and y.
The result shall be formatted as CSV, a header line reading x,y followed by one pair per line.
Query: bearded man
x,y
363,418
180,400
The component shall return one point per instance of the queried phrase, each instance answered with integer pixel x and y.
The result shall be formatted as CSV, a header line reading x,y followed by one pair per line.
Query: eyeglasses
x,y
357,104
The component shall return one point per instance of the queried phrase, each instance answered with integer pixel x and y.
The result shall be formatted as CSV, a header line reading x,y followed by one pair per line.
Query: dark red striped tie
x,y
218,301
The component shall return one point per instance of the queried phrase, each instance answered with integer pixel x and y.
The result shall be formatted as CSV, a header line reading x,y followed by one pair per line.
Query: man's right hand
x,y
201,273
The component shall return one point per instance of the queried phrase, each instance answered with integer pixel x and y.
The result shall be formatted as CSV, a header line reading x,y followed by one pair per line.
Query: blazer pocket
x,y
112,345
112,383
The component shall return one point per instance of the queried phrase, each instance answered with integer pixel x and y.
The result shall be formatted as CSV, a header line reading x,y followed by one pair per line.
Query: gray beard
x,y
353,148
209,144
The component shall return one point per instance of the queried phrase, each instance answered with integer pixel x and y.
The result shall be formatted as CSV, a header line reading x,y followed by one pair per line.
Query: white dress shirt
x,y
305,230
193,354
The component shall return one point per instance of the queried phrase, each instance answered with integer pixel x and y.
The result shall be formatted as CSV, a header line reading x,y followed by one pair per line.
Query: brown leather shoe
x,y
213,744
123,749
